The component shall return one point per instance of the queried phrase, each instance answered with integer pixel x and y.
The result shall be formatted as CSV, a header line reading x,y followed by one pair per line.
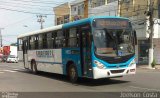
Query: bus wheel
x,y
72,73
34,67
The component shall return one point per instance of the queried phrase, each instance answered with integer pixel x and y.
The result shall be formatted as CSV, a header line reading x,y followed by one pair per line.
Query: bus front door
x,y
25,54
86,52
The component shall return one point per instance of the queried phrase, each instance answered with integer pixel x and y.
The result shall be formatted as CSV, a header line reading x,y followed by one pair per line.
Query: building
x,y
103,7
85,8
79,10
136,10
62,13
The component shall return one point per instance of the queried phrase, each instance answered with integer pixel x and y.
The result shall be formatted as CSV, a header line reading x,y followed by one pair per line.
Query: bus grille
x,y
115,66
117,71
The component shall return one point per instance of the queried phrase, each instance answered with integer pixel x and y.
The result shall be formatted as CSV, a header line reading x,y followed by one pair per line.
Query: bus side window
x,y
36,41
49,40
32,42
73,37
40,42
29,43
44,41
54,34
59,39
19,44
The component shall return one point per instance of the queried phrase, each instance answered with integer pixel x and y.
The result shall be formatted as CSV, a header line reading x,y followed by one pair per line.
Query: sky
x,y
20,16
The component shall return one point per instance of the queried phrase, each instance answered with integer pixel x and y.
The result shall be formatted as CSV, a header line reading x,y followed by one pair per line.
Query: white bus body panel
x,y
20,56
53,28
27,64
48,60
102,73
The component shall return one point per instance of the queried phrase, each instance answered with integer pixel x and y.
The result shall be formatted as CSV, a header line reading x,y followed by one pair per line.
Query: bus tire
x,y
34,67
72,73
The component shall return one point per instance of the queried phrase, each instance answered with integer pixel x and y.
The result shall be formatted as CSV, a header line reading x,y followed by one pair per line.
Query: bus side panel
x,y
48,60
72,54
20,57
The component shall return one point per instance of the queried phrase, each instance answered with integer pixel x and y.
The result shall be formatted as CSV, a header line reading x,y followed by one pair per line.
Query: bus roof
x,y
87,20
67,25
40,31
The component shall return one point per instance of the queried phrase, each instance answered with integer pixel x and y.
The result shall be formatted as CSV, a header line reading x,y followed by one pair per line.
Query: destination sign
x,y
112,23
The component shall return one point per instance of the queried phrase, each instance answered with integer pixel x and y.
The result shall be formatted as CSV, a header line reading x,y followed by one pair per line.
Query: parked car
x,y
12,59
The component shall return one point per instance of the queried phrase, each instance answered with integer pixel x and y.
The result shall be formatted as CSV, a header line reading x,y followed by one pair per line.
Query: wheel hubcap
x,y
33,67
72,73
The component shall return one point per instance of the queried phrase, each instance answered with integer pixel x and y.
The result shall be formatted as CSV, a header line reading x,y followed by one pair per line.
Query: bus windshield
x,y
113,42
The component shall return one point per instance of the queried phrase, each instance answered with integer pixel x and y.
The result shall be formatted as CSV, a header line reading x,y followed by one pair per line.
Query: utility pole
x,y
151,24
1,37
41,20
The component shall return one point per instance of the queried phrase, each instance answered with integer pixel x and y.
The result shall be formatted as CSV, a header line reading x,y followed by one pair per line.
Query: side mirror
x,y
135,37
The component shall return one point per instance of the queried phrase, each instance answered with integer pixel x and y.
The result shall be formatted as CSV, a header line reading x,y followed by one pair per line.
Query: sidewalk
x,y
157,67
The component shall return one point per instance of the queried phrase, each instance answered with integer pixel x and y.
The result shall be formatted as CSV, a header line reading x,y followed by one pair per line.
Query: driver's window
x,y
99,37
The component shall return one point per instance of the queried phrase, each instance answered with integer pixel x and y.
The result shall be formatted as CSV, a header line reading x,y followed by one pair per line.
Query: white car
x,y
12,59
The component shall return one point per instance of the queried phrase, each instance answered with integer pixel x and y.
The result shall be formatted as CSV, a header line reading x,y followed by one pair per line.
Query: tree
x,y
13,44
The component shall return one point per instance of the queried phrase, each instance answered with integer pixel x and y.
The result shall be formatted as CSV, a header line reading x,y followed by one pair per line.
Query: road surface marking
x,y
9,71
144,88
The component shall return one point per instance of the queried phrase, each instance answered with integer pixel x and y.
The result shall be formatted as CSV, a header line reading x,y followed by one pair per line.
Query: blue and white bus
x,y
95,47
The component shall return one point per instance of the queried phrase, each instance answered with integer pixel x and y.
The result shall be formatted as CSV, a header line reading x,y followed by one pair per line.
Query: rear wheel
x,y
72,73
34,67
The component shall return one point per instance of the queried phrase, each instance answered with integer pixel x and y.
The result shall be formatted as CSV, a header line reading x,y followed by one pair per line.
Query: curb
x,y
156,68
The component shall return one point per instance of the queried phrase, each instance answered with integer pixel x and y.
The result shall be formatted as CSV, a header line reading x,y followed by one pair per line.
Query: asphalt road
x,y
14,78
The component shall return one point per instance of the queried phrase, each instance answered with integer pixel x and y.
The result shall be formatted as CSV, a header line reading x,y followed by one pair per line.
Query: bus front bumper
x,y
109,73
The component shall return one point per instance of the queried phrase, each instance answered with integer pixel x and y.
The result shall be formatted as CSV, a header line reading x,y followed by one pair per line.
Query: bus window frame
x,y
36,41
59,39
44,41
49,40
67,33
20,44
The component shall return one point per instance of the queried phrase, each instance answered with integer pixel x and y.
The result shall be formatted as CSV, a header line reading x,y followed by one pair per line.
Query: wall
x,y
156,28
79,9
105,10
61,12
157,50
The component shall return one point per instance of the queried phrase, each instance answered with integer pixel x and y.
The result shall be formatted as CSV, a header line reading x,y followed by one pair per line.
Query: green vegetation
x,y
153,63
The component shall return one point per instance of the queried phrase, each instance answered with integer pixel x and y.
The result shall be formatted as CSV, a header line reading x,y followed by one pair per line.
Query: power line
x,y
25,4
7,41
21,6
18,21
9,35
39,2
22,11
54,14
39,9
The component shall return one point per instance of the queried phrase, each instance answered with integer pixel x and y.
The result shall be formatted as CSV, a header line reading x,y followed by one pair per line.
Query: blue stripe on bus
x,y
87,20
71,54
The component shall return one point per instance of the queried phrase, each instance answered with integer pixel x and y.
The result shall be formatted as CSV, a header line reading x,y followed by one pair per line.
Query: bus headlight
x,y
132,63
98,64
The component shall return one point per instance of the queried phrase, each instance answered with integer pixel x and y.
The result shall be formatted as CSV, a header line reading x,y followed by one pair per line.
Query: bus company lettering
x,y
45,53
